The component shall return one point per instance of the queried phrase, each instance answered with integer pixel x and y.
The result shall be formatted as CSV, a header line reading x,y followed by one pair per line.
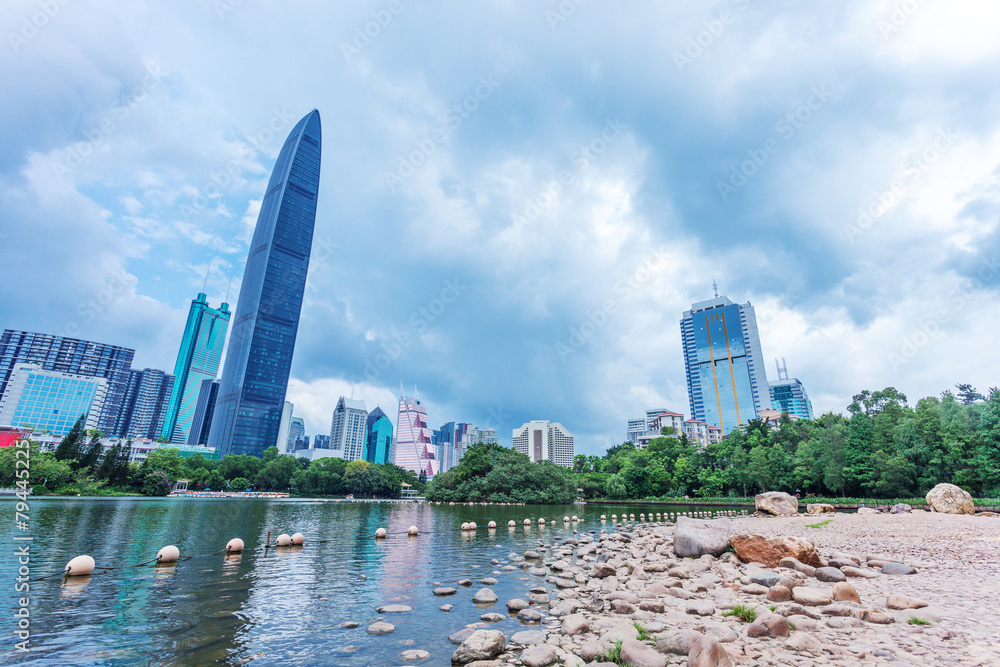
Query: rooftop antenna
x,y
400,390
782,369
716,288
228,288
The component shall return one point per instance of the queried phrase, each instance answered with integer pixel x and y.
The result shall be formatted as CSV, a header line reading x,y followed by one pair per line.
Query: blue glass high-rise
x,y
378,441
259,359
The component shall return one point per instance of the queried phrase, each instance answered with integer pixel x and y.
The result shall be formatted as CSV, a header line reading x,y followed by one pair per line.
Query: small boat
x,y
580,501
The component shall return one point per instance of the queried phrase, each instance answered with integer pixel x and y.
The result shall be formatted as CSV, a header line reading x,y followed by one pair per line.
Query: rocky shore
x,y
908,589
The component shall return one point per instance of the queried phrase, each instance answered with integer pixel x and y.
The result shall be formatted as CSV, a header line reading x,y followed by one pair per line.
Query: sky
x,y
518,200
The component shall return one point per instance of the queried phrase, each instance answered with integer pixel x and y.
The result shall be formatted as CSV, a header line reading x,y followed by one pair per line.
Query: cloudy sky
x,y
519,199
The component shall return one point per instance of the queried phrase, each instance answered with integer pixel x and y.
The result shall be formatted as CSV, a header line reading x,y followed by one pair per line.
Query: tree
x,y
968,395
156,484
239,484
270,454
277,474
92,456
616,487
166,459
69,446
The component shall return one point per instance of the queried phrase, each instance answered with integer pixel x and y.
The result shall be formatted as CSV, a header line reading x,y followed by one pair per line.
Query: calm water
x,y
283,607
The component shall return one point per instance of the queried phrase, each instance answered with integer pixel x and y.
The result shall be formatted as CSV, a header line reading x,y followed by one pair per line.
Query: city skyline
x,y
522,207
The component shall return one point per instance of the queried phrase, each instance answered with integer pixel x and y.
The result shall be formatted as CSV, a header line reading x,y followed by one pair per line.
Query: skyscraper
x,y
53,400
412,446
378,442
446,442
545,441
75,356
789,395
259,360
349,429
145,406
204,410
727,386
197,361
296,431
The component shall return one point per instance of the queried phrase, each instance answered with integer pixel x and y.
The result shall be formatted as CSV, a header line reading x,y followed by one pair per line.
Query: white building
x,y
545,441
655,423
702,433
284,428
348,429
51,400
474,436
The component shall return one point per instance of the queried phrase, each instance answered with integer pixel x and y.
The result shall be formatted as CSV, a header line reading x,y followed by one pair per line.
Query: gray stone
x,y
488,581
528,637
950,499
637,654
517,604
446,607
777,503
723,633
901,508
696,537
677,642
481,645
441,591
394,609
349,624
492,617
700,608
539,656
809,596
620,632
897,568
575,624
765,578
529,616
830,574
380,628
461,635
484,596
414,654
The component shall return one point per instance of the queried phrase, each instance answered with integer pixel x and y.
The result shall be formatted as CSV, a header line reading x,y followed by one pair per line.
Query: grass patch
x,y
613,654
791,626
643,632
913,620
745,614
772,607
819,525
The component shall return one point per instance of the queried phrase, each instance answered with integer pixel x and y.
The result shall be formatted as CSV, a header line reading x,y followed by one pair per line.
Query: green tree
x,y
239,484
156,483
69,446
616,487
277,474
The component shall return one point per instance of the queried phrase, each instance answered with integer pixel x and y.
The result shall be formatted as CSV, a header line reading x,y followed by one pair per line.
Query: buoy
x,y
492,524
565,519
412,530
168,554
465,526
234,546
614,517
541,522
79,566
527,522
380,533
511,524
604,517
575,518
473,525
642,517
283,540
298,538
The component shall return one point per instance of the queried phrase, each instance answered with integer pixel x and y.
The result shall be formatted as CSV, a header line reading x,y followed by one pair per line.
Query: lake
x,y
283,606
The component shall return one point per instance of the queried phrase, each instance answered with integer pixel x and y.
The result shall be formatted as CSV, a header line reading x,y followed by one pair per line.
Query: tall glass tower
x,y
412,447
197,360
727,386
254,380
378,444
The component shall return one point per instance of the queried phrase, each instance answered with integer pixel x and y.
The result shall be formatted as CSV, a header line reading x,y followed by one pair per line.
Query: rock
x,y
800,622
539,656
446,607
697,537
858,573
380,628
767,579
682,593
770,625
461,635
637,654
464,582
441,591
897,568
700,608
529,616
528,637
924,614
830,574
481,645
620,632
484,596
349,624
803,641
622,607
414,654
723,633
779,594
867,510
492,617
770,550
654,606
575,624
950,499
844,592
809,596
517,604
708,652
602,570
677,642
820,508
879,617
841,563
900,601
901,508
394,609
777,503
488,581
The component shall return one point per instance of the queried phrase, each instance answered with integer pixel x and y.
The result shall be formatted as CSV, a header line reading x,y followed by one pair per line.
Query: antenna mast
x,y
715,287
782,368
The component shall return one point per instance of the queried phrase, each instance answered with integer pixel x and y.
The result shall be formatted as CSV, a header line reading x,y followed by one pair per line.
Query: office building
x,y
412,447
727,385
321,441
474,436
285,426
144,410
296,429
349,429
204,409
378,441
259,358
73,356
545,441
446,441
789,395
197,361
43,400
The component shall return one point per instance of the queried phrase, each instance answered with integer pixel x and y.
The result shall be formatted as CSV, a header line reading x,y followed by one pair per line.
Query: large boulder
x,y
820,508
950,499
770,550
901,508
777,503
697,537
481,645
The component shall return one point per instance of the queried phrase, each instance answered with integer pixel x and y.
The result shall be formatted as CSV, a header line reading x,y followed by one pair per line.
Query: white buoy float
x,y
412,531
380,534
575,518
298,538
473,525
465,525
168,554
614,517
283,540
79,566
565,519
527,522
491,524
604,517
511,524
541,522
234,546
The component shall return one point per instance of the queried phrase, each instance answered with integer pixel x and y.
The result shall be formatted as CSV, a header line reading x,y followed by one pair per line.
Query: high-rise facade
x,y
296,431
74,356
545,441
51,400
727,385
446,441
197,360
412,446
378,442
204,410
144,410
349,429
789,395
472,437
259,359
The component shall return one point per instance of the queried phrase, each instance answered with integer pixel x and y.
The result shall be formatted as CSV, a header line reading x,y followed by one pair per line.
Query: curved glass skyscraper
x,y
259,359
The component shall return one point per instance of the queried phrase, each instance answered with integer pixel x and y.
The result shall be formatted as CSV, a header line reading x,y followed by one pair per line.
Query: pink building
x,y
412,448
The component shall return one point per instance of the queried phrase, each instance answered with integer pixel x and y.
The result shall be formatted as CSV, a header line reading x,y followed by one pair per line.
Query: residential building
x,y
446,441
204,410
636,427
545,441
378,441
197,360
412,447
259,357
475,436
74,356
727,385
51,401
655,423
702,433
789,395
348,429
143,413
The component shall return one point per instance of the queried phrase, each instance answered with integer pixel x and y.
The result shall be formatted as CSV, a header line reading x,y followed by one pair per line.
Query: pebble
x,y
380,628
